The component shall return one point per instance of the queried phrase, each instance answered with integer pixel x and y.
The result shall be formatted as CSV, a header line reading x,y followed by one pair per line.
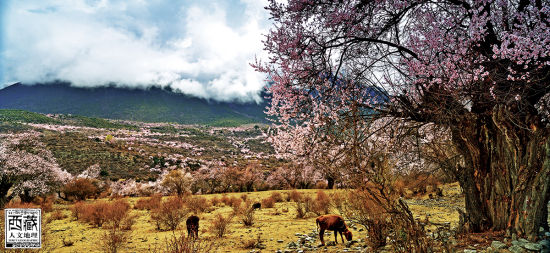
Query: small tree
x,y
178,182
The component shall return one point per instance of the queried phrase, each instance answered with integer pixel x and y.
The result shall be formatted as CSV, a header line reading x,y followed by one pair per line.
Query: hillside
x,y
152,105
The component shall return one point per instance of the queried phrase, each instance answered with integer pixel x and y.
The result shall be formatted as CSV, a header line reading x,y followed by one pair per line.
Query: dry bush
x,y
169,214
77,209
215,201
276,196
219,225
94,213
128,221
19,204
419,184
371,211
295,195
338,201
80,189
303,207
321,205
184,244
320,185
225,200
113,239
244,197
57,215
268,202
149,203
45,203
408,234
235,202
197,204
116,212
247,215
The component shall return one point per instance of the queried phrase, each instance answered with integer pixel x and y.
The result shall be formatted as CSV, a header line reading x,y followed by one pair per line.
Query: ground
x,y
272,225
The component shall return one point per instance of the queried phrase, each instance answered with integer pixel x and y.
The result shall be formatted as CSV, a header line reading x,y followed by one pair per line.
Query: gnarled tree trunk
x,y
506,177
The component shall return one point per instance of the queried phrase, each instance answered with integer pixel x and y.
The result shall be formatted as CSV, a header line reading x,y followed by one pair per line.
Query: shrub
x,y
215,201
247,215
113,239
77,209
295,195
177,182
80,189
268,202
45,203
338,201
303,207
197,204
322,203
225,200
169,214
57,215
320,185
235,202
219,225
128,221
276,196
244,197
149,202
67,243
100,212
185,244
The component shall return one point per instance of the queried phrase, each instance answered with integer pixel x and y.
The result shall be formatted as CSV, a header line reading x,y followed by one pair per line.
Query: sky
x,y
200,48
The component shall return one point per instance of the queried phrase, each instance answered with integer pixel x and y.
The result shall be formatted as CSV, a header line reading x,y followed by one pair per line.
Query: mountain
x,y
151,105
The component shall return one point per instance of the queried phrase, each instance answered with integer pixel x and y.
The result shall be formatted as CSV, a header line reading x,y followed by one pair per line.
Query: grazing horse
x,y
192,224
335,223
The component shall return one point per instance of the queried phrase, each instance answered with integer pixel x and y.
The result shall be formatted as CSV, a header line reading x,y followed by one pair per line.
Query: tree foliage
x,y
472,72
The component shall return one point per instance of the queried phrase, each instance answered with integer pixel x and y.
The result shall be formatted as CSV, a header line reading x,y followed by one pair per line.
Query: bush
x,y
321,185
219,225
77,209
268,202
169,214
303,207
148,203
57,215
45,203
185,244
225,200
338,201
235,202
80,189
322,203
215,201
197,204
276,196
113,239
101,212
244,197
295,195
247,216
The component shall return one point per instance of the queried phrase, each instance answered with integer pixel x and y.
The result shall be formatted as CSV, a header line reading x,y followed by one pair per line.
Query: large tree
x,y
478,70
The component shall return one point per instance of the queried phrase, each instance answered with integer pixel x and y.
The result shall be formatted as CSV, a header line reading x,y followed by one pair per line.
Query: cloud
x,y
201,48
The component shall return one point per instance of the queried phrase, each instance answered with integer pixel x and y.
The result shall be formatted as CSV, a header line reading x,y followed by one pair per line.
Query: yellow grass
x,y
272,224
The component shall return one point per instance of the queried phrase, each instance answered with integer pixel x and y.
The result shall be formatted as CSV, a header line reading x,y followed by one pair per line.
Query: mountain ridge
x,y
147,105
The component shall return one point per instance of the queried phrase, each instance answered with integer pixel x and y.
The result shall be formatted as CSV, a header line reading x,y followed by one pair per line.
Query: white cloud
x,y
202,49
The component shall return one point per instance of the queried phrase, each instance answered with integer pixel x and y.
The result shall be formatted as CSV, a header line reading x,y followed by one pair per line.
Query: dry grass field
x,y
275,227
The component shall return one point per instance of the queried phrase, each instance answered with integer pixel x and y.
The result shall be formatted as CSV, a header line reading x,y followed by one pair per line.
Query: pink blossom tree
x,y
476,70
27,169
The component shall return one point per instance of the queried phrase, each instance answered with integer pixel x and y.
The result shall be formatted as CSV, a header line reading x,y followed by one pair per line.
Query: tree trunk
x,y
506,175
330,182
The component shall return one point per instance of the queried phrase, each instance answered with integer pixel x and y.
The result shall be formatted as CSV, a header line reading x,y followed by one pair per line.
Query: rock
x,y
498,245
470,251
348,244
516,249
261,246
291,245
297,234
519,243
280,241
545,244
533,246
